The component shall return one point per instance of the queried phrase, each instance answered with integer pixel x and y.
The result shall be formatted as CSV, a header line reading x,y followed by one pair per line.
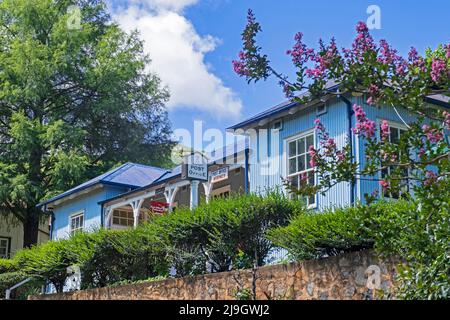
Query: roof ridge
x,y
147,166
112,171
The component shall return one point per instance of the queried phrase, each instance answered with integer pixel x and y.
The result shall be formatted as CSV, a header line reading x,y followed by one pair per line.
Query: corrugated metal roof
x,y
131,175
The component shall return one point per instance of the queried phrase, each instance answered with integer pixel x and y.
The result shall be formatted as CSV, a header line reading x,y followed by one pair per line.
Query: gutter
x,y
52,223
246,171
350,113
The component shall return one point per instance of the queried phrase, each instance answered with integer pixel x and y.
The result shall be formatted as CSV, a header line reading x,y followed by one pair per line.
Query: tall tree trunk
x,y
31,228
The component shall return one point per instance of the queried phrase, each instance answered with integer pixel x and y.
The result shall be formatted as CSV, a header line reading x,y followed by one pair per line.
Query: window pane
x,y
394,135
301,145
309,141
294,181
308,160
292,165
311,178
292,148
301,163
116,220
311,200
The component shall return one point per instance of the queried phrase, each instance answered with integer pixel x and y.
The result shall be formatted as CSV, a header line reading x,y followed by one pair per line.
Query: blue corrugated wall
x,y
267,167
87,203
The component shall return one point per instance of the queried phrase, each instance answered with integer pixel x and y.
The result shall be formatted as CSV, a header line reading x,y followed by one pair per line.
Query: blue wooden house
x,y
80,207
277,150
280,138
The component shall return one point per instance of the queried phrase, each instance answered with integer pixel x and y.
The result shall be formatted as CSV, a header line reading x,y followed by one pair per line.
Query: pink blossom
x,y
384,184
287,89
361,27
363,124
362,43
312,152
433,135
384,129
421,152
304,177
387,53
340,156
300,53
438,69
446,119
239,68
415,59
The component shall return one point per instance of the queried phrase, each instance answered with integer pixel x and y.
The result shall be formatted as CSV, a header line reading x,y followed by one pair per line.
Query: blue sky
x,y
192,44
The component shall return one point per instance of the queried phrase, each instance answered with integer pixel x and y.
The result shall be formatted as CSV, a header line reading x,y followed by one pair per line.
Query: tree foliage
x,y
74,101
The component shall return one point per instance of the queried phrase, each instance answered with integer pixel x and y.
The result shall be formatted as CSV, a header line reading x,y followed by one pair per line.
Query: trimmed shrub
x,y
224,233
107,257
48,261
320,234
7,265
315,235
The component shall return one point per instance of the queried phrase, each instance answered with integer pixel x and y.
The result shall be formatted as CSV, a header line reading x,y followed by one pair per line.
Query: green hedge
x,y
226,233
315,235
7,265
319,234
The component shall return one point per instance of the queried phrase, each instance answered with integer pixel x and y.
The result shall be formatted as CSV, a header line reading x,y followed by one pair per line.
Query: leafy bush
x,y
399,228
221,232
314,235
107,257
419,234
7,265
9,279
48,261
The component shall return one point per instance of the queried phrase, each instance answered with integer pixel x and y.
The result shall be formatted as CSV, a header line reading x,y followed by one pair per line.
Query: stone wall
x,y
356,275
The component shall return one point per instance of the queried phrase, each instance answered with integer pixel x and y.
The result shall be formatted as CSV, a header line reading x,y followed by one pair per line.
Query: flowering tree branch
x,y
378,72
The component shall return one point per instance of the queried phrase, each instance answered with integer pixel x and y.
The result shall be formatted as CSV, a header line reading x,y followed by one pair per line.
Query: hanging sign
x,y
158,207
195,168
219,175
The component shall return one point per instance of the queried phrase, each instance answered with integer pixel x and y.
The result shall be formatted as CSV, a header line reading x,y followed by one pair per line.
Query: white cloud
x,y
178,55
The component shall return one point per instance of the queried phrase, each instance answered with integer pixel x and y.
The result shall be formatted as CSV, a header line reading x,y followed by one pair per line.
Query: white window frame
x,y
129,211
399,126
287,175
74,216
8,247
